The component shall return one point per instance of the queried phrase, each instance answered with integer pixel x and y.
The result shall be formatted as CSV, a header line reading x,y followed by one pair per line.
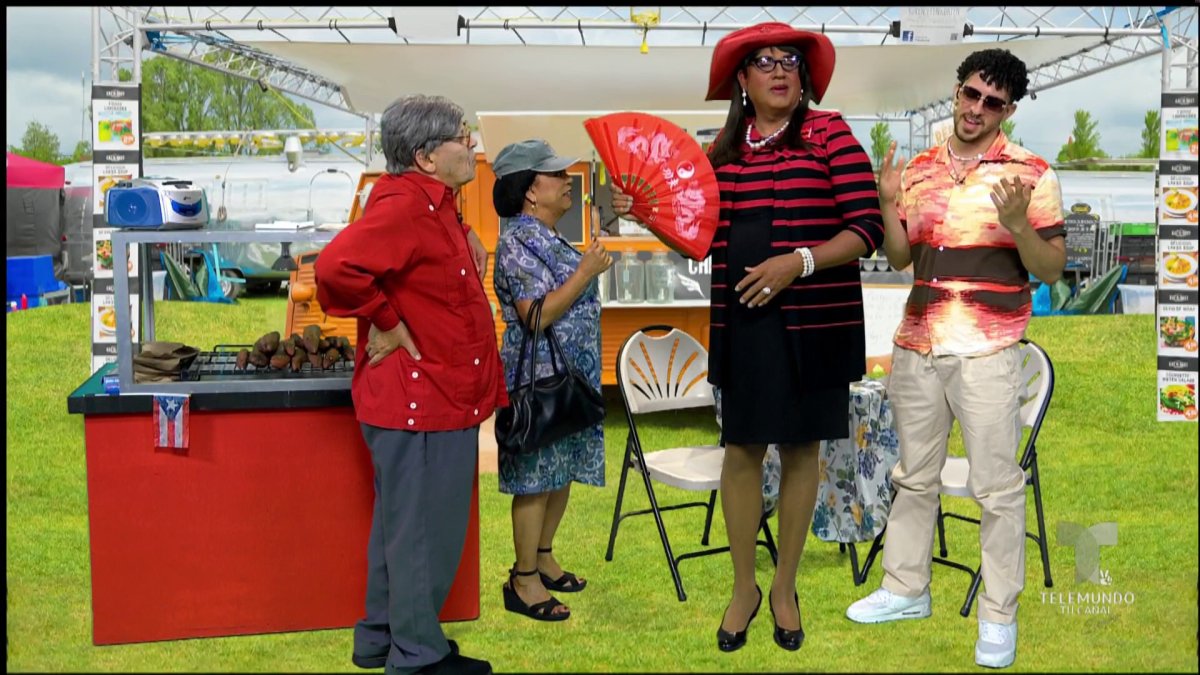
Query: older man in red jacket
x,y
426,373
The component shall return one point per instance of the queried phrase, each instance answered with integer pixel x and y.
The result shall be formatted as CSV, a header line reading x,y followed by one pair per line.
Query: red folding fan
x,y
665,170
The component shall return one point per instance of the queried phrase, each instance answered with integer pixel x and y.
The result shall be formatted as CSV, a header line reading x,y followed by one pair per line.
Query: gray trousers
x,y
422,504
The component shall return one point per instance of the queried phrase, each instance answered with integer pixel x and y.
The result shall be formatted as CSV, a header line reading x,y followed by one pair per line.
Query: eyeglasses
x,y
970,94
766,64
463,139
555,174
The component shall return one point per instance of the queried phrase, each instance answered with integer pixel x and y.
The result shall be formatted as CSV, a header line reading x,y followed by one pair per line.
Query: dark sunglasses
x,y
766,64
555,174
970,94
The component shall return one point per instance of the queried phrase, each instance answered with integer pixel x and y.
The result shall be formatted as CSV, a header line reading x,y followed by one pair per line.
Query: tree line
x,y
1083,143
180,96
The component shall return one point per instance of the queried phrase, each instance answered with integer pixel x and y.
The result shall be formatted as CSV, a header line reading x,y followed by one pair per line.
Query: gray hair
x,y
414,123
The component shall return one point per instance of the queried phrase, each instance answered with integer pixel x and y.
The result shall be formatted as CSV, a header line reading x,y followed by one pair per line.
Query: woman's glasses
x,y
555,174
970,94
766,64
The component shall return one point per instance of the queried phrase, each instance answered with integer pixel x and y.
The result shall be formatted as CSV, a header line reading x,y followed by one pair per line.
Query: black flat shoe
x,y
731,642
788,639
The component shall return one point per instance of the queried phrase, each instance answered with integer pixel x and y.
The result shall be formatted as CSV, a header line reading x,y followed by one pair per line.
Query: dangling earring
x,y
745,102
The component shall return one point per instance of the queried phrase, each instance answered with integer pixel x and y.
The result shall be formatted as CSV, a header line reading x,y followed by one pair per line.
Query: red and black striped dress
x,y
784,369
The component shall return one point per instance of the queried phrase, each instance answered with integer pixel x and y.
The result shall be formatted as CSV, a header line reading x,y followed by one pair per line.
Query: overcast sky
x,y
50,48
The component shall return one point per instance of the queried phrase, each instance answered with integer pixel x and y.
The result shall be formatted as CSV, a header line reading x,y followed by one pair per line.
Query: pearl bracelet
x,y
810,265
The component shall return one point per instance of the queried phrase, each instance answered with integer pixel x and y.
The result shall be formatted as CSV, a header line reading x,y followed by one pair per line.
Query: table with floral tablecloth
x,y
854,495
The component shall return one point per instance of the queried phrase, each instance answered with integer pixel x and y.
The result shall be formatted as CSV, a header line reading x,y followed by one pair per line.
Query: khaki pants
x,y
927,393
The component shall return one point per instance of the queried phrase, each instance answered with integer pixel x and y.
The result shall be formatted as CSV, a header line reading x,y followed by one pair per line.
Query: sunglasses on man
x,y
766,64
970,95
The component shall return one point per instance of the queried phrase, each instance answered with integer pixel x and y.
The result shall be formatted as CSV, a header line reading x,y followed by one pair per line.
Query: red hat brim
x,y
819,56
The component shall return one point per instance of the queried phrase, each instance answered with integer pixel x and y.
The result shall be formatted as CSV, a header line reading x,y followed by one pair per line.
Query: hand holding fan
x,y
665,170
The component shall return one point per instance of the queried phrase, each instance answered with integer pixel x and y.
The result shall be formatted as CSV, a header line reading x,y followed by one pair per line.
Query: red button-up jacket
x,y
407,259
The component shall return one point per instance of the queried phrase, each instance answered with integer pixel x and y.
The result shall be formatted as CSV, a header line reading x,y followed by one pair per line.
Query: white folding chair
x,y
654,374
1037,378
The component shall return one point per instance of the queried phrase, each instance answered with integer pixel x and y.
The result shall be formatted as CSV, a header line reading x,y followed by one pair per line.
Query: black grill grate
x,y
221,363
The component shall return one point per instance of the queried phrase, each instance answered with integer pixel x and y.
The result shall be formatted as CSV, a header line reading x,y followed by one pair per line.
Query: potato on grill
x,y
269,343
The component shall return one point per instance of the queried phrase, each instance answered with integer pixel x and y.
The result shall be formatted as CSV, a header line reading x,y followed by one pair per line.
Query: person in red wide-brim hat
x,y
817,50
798,208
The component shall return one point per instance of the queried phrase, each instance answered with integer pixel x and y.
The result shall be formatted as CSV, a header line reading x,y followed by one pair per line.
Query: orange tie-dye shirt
x,y
970,293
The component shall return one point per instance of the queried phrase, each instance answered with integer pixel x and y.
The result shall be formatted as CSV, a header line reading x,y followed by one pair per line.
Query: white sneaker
x,y
884,605
997,644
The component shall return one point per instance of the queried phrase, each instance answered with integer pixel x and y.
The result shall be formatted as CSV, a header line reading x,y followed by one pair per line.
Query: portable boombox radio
x,y
156,204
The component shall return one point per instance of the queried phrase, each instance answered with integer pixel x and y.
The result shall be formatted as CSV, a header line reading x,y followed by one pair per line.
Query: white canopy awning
x,y
556,78
868,79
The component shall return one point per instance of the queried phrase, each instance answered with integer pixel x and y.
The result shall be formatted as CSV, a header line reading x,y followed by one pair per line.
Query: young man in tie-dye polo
x,y
975,216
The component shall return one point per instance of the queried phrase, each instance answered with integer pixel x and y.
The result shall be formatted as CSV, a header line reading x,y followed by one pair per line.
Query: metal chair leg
x,y
712,503
1041,521
662,534
612,534
966,608
941,527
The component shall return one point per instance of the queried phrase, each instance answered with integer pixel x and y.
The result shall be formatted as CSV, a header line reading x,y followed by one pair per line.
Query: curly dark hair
x,y
508,194
999,68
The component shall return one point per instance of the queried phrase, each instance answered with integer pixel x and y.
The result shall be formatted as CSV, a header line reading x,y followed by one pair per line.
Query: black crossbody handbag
x,y
546,410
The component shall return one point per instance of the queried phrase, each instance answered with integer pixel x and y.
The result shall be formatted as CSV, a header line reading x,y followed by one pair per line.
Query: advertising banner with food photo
x,y
116,157
103,267
1177,396
1179,126
1178,263
1177,330
104,318
1178,255
1177,200
116,123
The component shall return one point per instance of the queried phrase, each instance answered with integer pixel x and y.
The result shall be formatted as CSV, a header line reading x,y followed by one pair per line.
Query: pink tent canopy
x,y
23,172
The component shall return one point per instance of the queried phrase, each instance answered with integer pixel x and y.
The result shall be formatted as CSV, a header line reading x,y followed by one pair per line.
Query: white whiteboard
x,y
883,308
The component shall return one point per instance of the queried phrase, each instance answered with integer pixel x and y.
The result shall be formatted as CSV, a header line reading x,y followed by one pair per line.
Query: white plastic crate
x,y
1137,299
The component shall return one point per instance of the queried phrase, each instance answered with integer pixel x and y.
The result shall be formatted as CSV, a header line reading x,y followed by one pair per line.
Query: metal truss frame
x,y
200,35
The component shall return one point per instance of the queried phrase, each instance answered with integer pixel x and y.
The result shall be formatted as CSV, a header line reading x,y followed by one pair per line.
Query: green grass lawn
x,y
1103,456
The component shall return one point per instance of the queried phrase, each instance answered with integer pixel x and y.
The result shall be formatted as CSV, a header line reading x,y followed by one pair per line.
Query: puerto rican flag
x,y
171,421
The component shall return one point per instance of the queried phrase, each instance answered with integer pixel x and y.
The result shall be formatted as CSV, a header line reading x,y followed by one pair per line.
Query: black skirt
x,y
763,399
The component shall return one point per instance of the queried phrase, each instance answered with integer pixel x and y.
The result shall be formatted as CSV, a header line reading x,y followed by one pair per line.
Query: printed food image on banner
x,y
102,240
1177,330
1177,266
104,318
115,125
1176,395
1178,205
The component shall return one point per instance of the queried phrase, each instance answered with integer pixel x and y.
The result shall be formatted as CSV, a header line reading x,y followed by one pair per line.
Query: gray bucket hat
x,y
532,155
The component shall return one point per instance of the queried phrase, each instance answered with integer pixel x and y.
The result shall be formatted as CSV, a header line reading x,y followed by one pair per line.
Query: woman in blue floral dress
x,y
532,261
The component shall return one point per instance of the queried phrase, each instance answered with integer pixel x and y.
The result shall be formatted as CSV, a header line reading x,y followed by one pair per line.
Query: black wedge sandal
x,y
542,611
567,583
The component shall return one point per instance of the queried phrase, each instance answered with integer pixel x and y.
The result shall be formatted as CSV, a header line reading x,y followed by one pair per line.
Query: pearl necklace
x,y
762,143
950,150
